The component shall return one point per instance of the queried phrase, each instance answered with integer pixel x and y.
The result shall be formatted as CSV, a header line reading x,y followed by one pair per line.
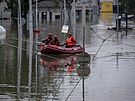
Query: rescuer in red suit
x,y
48,39
55,41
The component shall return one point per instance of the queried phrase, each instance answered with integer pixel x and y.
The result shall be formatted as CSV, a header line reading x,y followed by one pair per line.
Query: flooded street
x,y
110,73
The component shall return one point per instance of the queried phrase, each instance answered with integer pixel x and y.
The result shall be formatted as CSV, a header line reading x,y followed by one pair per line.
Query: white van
x,y
2,35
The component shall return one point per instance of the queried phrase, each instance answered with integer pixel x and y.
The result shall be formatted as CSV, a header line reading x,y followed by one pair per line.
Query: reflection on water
x,y
46,84
53,76
57,75
55,62
106,17
52,72
8,65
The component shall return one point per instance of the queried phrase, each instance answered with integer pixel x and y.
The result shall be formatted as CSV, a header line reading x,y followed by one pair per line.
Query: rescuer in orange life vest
x,y
48,39
70,41
55,41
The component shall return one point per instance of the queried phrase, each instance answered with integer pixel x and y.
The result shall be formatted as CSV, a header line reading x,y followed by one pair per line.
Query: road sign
x,y
83,71
23,21
65,29
82,2
84,59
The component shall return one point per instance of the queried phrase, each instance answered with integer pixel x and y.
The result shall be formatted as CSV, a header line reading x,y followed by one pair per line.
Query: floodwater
x,y
110,75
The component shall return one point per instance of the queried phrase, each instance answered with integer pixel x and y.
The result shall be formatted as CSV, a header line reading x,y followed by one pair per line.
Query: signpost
x,y
84,59
83,71
83,3
79,3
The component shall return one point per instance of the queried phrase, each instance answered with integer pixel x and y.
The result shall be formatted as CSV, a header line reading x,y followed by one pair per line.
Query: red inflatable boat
x,y
52,49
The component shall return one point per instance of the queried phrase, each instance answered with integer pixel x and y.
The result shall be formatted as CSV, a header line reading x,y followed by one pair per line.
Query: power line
x,y
96,34
97,52
109,37
89,65
103,40
73,89
123,43
34,52
59,86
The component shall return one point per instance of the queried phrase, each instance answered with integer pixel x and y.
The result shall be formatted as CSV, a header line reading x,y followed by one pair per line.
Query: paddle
x,y
40,43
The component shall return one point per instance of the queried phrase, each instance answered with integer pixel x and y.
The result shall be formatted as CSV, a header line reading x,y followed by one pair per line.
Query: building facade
x,y
50,11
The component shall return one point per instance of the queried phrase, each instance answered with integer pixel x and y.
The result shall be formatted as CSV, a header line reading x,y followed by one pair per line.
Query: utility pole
x,y
19,49
1,18
117,17
74,18
36,39
36,15
65,13
61,12
30,46
83,31
126,18
90,10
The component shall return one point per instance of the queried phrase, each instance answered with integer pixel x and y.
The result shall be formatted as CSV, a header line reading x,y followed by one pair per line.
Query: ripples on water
x,y
47,78
52,79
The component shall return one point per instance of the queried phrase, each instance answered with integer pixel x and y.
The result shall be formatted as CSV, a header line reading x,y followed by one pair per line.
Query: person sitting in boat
x,y
70,41
55,41
48,39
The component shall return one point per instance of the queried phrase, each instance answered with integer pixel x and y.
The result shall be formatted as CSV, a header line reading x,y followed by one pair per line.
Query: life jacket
x,y
70,41
70,68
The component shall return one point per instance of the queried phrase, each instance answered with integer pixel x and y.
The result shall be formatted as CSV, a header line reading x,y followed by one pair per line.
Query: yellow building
x,y
106,7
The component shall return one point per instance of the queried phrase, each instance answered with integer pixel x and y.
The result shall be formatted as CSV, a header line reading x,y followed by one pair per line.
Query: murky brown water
x,y
110,76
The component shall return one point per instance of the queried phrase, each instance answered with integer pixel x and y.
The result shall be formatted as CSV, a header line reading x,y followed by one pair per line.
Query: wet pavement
x,y
110,75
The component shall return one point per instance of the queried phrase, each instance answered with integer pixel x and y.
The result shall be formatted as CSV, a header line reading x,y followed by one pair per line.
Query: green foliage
x,y
1,1
12,5
130,5
25,7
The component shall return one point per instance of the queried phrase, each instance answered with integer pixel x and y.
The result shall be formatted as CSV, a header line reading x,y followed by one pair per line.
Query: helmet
x,y
69,33
55,36
50,34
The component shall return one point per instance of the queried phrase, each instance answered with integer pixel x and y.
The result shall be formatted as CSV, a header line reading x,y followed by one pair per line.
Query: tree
x,y
130,5
12,6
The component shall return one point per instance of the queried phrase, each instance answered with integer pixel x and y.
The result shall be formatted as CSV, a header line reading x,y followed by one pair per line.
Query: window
x,y
57,16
